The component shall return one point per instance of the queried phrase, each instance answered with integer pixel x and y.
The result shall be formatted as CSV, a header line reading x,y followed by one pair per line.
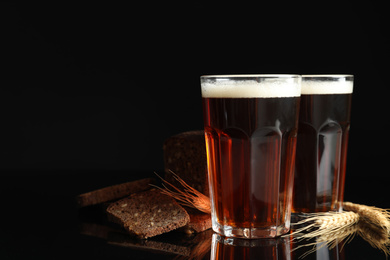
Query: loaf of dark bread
x,y
147,214
185,155
113,192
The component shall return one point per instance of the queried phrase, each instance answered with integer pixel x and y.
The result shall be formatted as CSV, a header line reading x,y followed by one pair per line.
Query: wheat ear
x,y
325,223
376,216
189,196
331,239
327,228
376,236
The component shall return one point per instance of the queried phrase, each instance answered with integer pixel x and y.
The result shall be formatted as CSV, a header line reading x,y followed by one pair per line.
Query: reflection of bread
x,y
180,244
185,155
112,192
147,214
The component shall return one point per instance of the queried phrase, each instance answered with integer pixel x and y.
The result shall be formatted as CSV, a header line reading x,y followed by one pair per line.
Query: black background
x,y
100,86
89,92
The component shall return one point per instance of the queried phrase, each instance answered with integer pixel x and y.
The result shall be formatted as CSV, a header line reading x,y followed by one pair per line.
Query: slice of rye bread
x,y
113,192
148,213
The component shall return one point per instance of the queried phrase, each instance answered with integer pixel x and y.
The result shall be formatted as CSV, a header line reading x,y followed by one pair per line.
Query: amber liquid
x,y
324,122
251,153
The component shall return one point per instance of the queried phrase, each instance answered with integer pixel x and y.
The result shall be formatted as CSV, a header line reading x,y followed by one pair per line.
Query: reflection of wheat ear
x,y
376,216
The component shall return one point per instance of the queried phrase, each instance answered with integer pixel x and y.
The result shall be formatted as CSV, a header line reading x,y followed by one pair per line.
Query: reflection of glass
x,y
236,248
250,128
318,249
324,121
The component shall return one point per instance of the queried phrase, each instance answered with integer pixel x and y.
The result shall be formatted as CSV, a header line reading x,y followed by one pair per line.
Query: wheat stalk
x,y
330,239
377,237
328,228
324,223
370,223
344,234
189,196
376,216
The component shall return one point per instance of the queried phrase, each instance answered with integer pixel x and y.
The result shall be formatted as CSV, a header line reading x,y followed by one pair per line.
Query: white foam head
x,y
327,84
251,86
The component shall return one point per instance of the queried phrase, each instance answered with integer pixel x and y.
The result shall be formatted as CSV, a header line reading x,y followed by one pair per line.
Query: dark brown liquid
x,y
320,166
251,153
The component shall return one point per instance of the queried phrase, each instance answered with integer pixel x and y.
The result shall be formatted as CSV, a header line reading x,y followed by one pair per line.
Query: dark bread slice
x,y
147,214
185,155
113,192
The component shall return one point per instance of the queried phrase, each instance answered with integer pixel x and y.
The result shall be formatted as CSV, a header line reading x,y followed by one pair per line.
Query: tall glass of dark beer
x,y
324,122
250,131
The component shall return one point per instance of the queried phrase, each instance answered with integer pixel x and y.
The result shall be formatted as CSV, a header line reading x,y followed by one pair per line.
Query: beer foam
x,y
331,84
267,88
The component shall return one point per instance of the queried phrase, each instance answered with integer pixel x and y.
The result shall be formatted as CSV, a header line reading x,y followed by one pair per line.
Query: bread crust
x,y
148,214
113,192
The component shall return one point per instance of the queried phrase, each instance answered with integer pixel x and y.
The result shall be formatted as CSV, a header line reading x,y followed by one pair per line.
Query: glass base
x,y
250,233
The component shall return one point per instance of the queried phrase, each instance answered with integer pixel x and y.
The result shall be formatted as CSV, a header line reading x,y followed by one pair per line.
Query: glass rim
x,y
318,84
329,76
251,85
232,76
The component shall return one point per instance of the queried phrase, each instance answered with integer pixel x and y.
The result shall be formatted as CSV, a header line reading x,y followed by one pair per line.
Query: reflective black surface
x,y
41,221
73,85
